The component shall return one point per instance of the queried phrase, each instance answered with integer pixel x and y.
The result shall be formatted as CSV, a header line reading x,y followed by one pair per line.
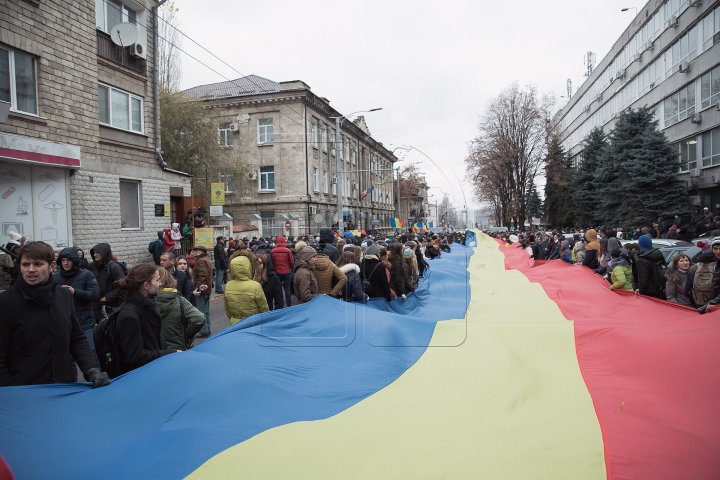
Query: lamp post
x,y
338,124
628,8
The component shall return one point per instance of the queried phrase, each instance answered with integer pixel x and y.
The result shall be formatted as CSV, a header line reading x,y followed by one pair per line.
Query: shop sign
x,y
204,237
217,194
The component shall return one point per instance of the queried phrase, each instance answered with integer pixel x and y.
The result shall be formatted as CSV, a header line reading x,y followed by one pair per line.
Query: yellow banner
x,y
217,194
204,237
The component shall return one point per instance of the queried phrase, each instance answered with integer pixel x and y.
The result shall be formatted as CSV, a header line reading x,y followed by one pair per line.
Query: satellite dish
x,y
124,34
318,218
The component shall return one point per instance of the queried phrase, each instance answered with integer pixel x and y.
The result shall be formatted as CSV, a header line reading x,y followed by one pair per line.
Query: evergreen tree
x,y
558,175
584,185
534,205
648,186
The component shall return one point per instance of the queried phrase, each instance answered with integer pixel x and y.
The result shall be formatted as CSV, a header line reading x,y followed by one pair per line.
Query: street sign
x,y
217,196
216,210
287,225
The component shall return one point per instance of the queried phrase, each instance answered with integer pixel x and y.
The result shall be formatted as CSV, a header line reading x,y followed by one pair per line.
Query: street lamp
x,y
338,124
628,8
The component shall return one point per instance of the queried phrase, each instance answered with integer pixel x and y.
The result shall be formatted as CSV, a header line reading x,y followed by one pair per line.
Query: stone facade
x,y
72,57
303,165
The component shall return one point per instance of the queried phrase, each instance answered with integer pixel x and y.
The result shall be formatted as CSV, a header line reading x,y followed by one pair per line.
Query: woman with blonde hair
x,y
181,321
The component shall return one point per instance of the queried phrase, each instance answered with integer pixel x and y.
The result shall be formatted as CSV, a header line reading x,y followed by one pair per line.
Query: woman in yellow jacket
x,y
620,272
243,295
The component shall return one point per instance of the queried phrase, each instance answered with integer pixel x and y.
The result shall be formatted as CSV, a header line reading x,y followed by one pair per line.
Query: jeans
x,y
203,304
219,275
285,281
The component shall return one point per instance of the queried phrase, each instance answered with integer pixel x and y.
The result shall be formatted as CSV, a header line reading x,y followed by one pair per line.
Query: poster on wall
x,y
204,237
51,211
16,201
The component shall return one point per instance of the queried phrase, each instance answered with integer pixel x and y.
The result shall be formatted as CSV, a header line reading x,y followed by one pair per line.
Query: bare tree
x,y
506,157
170,65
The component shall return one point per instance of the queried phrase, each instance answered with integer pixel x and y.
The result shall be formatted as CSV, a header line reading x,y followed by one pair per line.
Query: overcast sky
x,y
432,66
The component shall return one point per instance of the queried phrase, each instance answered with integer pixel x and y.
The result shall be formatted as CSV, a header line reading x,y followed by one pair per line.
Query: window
x,y
347,187
346,146
710,87
334,185
129,204
267,178
313,134
332,143
109,13
18,83
341,139
268,220
683,50
229,184
687,154
352,154
265,130
325,182
323,138
315,180
119,109
680,105
711,28
711,147
225,138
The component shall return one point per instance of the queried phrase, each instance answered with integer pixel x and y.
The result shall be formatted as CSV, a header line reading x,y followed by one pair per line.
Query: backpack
x,y
366,285
107,351
659,280
123,267
702,289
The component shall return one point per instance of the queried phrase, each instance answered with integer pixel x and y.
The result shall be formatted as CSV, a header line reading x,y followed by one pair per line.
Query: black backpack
x,y
107,351
366,285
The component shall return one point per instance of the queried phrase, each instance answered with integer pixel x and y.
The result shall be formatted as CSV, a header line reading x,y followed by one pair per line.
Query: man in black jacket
x,y
107,272
184,284
39,328
374,271
221,263
646,269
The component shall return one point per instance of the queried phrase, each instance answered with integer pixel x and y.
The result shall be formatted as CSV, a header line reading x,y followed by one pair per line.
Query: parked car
x,y
663,242
672,251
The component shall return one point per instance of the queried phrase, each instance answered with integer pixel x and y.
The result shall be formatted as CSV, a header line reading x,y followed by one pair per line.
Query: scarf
x,y
42,294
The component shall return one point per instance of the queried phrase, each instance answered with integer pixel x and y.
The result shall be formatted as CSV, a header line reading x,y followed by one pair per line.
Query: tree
x,y
506,156
558,194
535,205
647,185
169,43
584,184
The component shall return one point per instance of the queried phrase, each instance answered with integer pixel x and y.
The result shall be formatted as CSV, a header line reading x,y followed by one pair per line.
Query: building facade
x,y
414,207
286,135
667,59
78,161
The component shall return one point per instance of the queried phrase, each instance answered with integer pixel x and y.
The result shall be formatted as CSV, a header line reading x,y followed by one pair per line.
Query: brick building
x,y
78,162
286,134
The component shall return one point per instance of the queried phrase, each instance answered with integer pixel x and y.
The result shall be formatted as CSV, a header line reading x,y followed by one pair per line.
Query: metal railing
x,y
116,54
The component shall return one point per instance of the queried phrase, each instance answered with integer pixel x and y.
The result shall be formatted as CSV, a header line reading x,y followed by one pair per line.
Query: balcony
x,y
117,54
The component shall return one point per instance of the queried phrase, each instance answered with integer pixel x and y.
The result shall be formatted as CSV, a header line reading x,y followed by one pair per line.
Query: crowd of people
x,y
634,265
60,309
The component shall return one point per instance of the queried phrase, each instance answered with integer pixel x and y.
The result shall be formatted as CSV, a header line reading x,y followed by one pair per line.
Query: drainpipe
x,y
155,80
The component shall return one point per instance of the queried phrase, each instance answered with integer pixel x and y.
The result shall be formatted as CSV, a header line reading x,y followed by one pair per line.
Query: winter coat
x,y
621,277
203,272
106,272
221,259
326,235
273,290
168,301
373,270
644,273
36,341
553,251
397,281
565,250
282,257
168,244
157,248
185,286
675,287
85,286
352,290
175,234
591,250
408,277
304,282
138,333
325,272
421,263
579,252
243,295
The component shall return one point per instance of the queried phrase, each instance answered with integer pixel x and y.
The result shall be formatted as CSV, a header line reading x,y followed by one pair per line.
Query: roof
x,y
244,228
243,86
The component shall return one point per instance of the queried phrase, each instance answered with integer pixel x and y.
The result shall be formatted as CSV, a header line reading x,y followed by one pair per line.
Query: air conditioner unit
x,y
637,57
690,183
716,179
696,118
620,73
252,176
695,3
233,127
334,179
652,84
598,97
648,46
587,108
138,50
673,22
696,173
312,209
684,67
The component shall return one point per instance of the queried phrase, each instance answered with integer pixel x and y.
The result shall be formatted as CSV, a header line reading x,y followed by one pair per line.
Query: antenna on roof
x,y
590,62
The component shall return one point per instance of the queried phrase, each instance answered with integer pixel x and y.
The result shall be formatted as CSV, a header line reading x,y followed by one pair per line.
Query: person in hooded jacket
x,y
175,332
176,236
644,271
168,244
327,274
107,272
283,261
326,244
304,283
270,283
374,271
156,248
352,290
706,257
83,287
138,332
591,250
397,282
243,295
620,271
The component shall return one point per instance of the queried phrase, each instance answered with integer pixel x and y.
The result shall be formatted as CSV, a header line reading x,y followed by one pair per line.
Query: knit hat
x,y
407,253
349,248
372,250
644,242
14,236
715,241
306,254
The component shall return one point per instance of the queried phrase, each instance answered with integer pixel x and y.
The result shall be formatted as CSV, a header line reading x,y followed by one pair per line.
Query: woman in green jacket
x,y
243,295
620,271
169,301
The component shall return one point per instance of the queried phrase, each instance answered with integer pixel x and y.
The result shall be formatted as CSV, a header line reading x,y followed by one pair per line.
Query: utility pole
x,y
341,218
398,192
